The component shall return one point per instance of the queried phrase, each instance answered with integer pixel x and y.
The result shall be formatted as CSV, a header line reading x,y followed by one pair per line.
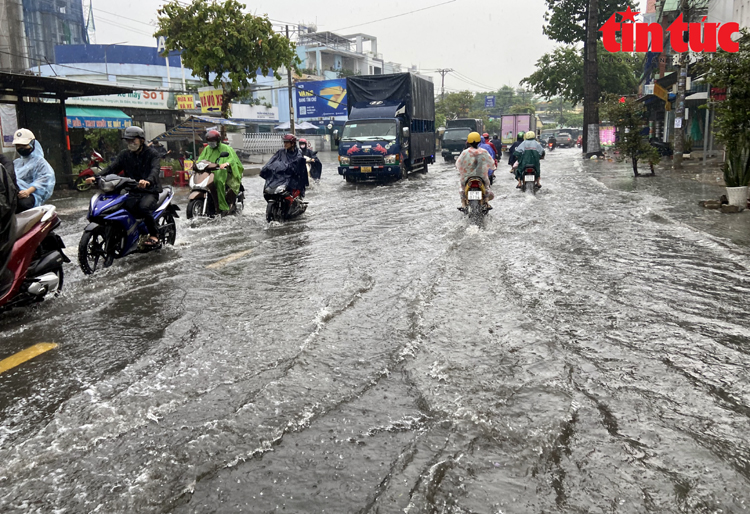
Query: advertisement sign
x,y
321,99
211,99
97,122
489,101
136,100
660,92
185,102
255,113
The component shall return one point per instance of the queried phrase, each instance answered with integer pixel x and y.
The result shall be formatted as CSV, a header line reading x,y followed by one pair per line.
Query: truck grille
x,y
367,160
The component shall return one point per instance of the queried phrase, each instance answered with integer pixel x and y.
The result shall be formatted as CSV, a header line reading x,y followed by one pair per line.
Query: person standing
x,y
34,175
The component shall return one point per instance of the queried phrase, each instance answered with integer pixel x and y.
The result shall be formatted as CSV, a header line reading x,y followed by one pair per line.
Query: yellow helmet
x,y
473,137
530,135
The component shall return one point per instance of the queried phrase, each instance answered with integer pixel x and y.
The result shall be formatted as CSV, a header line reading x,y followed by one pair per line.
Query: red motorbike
x,y
92,171
35,265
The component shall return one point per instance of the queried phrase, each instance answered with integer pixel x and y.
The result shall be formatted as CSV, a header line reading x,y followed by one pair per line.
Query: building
x,y
741,13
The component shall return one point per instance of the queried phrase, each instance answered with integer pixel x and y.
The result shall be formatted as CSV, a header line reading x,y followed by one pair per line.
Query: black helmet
x,y
134,132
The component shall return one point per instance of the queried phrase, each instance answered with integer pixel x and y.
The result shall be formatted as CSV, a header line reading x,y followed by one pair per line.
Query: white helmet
x,y
23,137
530,135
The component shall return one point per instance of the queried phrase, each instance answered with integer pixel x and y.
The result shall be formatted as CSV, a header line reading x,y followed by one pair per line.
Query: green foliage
x,y
105,141
737,167
348,73
455,105
731,71
565,20
630,117
560,74
527,108
216,37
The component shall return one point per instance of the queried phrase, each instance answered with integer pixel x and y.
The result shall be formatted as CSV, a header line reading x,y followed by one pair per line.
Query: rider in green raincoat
x,y
231,169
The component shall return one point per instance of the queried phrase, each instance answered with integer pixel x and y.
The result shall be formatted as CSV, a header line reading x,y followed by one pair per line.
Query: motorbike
x,y
92,171
203,199
113,233
664,149
314,166
281,173
35,266
579,142
282,204
528,177
551,146
477,206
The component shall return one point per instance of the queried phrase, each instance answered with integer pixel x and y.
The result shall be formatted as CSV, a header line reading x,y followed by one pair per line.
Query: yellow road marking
x,y
227,260
25,355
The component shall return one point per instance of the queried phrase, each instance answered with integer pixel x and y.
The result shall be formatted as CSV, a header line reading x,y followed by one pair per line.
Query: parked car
x,y
565,140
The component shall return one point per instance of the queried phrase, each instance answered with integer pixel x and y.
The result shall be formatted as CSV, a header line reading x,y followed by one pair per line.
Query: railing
x,y
262,143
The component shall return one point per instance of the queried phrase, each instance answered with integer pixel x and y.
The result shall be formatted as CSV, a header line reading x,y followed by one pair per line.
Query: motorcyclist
x,y
474,162
316,166
552,140
34,176
230,169
512,150
291,161
528,154
141,163
490,150
498,144
489,142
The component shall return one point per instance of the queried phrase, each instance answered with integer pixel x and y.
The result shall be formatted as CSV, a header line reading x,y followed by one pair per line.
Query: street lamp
x,y
330,128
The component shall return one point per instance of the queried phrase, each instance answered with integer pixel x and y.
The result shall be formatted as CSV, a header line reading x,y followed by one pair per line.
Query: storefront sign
x,y
135,100
255,112
660,92
211,99
185,102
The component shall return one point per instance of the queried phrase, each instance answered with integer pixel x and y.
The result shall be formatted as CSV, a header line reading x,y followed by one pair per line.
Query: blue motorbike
x,y
113,232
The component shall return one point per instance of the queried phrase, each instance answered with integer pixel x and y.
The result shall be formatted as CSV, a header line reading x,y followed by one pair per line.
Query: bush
x,y
737,167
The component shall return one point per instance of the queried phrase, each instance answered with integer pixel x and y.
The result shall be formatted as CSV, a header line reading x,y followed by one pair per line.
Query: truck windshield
x,y
456,134
369,131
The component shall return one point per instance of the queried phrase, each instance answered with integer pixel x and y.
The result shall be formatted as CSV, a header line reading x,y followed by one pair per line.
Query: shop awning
x,y
697,96
96,118
194,126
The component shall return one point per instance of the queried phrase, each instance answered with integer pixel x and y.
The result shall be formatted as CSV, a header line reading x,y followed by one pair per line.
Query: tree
x,y
218,40
576,21
630,117
455,105
560,74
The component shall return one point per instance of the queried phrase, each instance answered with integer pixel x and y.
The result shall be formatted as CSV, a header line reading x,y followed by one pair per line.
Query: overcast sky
x,y
492,43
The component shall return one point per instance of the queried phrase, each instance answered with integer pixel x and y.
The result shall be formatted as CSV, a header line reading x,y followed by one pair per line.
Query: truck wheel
x,y
404,172
425,170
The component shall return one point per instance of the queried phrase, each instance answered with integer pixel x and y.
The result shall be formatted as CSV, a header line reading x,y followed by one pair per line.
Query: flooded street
x,y
587,350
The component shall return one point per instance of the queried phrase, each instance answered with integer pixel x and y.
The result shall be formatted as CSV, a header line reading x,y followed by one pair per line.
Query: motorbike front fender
x,y
91,226
197,193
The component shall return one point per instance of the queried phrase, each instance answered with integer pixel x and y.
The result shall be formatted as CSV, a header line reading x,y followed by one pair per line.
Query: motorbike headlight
x,y
391,159
280,190
344,161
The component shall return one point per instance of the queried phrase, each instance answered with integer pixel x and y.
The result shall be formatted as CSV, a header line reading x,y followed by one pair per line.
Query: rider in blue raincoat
x,y
34,176
486,146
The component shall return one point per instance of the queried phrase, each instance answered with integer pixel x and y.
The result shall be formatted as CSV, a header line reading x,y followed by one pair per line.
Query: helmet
x,y
302,140
134,132
23,137
520,136
486,136
473,137
530,135
213,135
290,138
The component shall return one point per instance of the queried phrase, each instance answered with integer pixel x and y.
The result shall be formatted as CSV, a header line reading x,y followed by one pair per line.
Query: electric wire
x,y
395,16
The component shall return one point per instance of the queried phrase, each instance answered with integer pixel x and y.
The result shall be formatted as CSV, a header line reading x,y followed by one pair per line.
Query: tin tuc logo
x,y
702,37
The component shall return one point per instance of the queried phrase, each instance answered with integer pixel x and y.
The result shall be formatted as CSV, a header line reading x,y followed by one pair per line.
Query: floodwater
x,y
586,350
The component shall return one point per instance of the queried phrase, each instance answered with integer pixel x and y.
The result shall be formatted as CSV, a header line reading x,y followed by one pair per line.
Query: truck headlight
x,y
392,159
344,161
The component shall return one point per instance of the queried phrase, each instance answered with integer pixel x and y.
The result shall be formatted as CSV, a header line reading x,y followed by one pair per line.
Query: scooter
x,y
113,232
283,204
528,179
551,146
35,266
203,199
477,206
93,170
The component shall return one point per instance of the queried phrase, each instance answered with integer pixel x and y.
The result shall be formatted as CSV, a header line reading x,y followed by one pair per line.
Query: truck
x,y
391,127
512,124
454,138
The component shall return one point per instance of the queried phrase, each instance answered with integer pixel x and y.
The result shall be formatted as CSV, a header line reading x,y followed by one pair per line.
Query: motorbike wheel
x,y
60,279
81,184
475,212
91,250
195,208
167,229
273,212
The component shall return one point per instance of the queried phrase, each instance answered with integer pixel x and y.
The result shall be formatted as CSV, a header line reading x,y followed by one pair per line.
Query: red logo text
x,y
702,37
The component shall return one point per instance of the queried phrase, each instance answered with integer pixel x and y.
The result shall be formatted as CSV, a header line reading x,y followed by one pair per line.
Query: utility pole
x,y
591,144
443,73
291,95
679,111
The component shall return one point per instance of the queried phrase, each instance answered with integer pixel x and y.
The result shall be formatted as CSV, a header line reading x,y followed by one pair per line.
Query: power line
x,y
150,24
395,16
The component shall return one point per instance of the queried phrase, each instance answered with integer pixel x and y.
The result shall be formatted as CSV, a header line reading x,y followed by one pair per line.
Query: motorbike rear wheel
x,y
91,250
475,212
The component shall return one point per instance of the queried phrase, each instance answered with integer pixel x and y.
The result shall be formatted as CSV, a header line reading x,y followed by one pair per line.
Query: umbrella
x,y
299,126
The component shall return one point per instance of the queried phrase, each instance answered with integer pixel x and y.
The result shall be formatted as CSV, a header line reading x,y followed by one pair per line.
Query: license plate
x,y
456,153
366,169
475,195
529,178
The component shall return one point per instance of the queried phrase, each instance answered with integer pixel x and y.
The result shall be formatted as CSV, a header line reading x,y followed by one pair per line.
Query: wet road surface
x,y
585,351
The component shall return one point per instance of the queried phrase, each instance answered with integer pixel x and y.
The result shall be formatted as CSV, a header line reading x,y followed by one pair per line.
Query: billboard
x,y
319,99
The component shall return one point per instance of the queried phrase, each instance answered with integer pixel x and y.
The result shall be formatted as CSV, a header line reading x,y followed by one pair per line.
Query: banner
x,y
322,98
211,99
136,100
185,102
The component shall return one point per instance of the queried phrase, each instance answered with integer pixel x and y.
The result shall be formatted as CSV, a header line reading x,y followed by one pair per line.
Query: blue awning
x,y
96,118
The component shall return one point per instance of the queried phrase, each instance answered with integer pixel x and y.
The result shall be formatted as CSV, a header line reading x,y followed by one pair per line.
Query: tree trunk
x,y
635,166
591,83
